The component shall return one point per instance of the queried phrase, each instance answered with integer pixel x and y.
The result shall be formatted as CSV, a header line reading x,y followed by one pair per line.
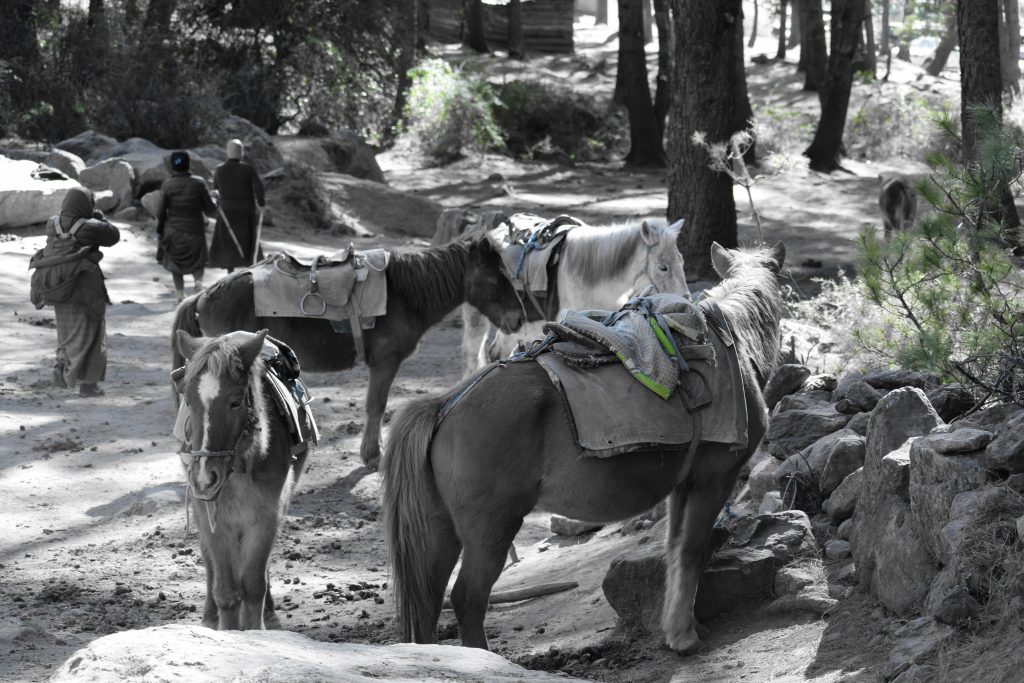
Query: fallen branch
x,y
520,594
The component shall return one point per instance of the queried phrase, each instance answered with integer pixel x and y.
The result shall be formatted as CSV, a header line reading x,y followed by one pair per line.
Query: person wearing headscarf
x,y
181,224
72,253
235,239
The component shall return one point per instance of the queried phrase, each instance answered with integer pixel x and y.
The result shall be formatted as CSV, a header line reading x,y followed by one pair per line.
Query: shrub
x,y
951,294
449,110
891,123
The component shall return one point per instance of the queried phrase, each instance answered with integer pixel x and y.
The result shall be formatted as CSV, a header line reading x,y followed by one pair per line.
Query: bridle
x,y
237,464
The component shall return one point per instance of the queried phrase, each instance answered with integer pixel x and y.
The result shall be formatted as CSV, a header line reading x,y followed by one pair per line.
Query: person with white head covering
x,y
235,238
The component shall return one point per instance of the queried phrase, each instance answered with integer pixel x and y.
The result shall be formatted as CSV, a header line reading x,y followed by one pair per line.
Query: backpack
x,y
57,267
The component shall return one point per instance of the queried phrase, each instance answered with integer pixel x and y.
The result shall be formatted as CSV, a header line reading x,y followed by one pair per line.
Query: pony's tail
x,y
409,494
186,317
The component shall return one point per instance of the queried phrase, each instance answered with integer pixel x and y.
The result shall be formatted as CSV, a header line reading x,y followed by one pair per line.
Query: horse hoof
x,y
693,648
688,644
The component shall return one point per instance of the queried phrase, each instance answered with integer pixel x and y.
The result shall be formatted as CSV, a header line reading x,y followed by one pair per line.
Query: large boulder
x,y
276,655
941,468
893,561
916,641
67,163
840,505
741,573
787,380
152,164
260,150
793,430
899,378
950,401
808,466
27,200
1006,452
115,175
88,145
151,202
345,152
380,209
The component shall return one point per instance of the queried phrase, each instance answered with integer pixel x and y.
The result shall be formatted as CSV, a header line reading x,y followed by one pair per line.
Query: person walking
x,y
181,224
69,278
236,237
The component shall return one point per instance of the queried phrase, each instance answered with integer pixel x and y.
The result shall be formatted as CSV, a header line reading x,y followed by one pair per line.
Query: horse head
x,y
222,388
725,261
489,288
662,263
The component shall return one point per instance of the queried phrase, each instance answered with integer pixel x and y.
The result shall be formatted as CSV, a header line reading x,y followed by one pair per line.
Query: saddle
x,y
348,288
530,248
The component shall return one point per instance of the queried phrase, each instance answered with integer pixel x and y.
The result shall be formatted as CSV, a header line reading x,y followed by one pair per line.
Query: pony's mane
x,y
751,302
431,277
596,254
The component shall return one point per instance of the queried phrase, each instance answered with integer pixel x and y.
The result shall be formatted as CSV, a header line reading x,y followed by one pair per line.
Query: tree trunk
x,y
847,17
885,27
474,37
666,48
795,27
19,47
1009,42
707,35
816,62
423,28
515,29
405,58
780,54
753,28
744,112
938,60
645,146
904,51
601,17
870,49
157,23
648,21
981,84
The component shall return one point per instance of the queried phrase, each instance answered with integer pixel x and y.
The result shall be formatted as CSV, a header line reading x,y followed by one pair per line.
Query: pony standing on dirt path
x,y
423,288
599,267
241,472
464,485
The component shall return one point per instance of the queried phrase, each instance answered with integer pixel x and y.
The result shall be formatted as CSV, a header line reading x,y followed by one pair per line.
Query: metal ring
x,y
323,303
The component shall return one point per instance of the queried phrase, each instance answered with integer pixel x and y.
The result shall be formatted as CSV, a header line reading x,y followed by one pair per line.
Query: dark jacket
x,y
185,200
239,186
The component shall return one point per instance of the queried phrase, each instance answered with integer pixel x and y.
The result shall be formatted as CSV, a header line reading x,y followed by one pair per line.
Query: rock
x,y
808,465
452,224
66,162
152,164
949,600
822,382
842,503
799,402
115,175
843,531
847,407
950,401
899,378
289,656
965,440
1015,482
741,573
837,549
151,202
1006,452
918,673
990,419
25,200
132,214
762,477
382,210
88,145
845,572
793,579
105,200
859,423
1019,525
754,460
786,380
893,560
260,150
935,481
345,152
915,641
845,456
816,600
859,393
790,431
563,526
771,502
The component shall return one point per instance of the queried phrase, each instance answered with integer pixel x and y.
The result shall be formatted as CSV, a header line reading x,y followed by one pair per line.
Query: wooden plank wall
x,y
547,24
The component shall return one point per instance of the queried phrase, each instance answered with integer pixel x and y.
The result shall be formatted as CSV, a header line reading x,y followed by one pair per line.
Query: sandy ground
x,y
93,534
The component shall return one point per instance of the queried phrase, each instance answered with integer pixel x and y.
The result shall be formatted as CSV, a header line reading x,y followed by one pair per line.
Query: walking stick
x,y
256,242
231,232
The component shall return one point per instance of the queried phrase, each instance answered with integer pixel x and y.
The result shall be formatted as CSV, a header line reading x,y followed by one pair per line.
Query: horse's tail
x,y
186,317
409,494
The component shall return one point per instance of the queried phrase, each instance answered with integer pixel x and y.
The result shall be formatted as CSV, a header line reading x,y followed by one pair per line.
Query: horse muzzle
x,y
207,475
511,322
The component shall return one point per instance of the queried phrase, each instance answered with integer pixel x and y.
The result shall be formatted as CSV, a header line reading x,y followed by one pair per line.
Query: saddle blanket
x,y
610,413
530,246
336,287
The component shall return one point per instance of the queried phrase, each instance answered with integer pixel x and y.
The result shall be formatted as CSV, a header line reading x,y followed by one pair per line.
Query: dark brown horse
x,y
423,287
241,470
505,449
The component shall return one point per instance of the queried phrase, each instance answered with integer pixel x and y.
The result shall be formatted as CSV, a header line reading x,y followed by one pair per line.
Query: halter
x,y
236,464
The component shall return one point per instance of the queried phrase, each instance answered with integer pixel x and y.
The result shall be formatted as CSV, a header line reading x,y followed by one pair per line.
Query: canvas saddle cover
x,y
341,286
594,399
530,246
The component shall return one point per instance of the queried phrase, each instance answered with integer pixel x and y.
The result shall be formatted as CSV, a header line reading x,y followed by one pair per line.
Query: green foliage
x,y
449,110
891,123
950,292
539,119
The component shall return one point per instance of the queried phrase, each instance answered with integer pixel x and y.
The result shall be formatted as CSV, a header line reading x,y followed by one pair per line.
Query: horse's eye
x,y
236,404
663,268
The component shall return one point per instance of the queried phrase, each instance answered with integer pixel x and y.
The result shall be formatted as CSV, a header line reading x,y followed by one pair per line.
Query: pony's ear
x,y
675,228
187,344
250,350
721,259
779,255
484,244
650,234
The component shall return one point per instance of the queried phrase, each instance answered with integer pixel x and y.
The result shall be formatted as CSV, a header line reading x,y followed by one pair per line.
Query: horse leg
x,y
211,618
483,558
444,548
692,511
381,377
255,561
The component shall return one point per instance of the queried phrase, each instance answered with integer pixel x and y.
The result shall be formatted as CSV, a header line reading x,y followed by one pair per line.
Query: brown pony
x,y
423,288
505,448
241,472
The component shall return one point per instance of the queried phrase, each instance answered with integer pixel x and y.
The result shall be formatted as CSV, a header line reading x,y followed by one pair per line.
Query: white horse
x,y
599,267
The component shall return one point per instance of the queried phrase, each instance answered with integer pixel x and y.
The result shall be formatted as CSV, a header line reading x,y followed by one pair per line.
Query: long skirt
x,y
184,252
81,344
224,253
